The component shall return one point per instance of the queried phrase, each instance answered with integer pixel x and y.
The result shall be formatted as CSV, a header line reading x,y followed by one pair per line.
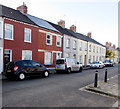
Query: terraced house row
x,y
23,36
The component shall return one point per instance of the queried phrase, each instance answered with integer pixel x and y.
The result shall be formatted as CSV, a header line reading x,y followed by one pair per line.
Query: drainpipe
x,y
3,42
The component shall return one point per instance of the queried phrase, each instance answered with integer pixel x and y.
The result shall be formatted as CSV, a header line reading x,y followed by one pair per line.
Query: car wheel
x,y
21,76
80,70
69,70
46,74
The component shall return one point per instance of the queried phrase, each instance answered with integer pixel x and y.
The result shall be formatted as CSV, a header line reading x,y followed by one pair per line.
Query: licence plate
x,y
8,70
57,67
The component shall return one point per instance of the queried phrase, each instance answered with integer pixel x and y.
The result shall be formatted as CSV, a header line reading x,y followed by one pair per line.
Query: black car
x,y
23,68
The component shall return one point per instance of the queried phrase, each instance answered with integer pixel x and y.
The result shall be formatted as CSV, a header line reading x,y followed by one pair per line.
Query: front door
x,y
7,57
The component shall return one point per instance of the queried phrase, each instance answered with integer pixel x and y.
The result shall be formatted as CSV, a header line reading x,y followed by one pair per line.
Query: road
x,y
59,90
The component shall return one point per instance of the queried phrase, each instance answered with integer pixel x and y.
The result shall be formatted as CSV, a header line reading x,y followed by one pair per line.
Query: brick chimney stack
x,y
89,34
23,8
61,23
73,28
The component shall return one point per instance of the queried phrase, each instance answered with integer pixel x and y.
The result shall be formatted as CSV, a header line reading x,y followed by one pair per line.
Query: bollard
x,y
96,79
105,78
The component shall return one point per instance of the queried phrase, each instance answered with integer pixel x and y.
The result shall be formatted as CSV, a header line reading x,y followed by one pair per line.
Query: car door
x,y
27,66
38,68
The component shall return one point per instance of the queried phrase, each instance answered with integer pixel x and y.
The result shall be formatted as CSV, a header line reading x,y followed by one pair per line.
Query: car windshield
x,y
95,63
10,65
60,61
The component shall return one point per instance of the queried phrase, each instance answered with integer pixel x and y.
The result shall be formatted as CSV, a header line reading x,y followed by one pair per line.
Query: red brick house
x,y
28,37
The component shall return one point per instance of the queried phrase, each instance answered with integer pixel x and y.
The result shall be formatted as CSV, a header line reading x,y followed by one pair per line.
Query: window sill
x,y
27,41
8,39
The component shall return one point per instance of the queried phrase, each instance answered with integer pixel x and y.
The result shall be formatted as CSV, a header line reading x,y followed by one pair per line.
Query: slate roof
x,y
75,34
14,14
41,23
26,18
61,29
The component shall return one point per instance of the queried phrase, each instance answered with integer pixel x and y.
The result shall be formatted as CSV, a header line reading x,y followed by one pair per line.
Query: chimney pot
x,y
61,23
73,28
89,34
23,8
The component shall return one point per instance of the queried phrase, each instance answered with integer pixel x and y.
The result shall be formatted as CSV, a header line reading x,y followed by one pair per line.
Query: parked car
x,y
68,65
23,68
97,64
108,64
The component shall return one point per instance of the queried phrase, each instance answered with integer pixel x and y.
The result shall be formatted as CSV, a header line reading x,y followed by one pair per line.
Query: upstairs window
x,y
9,31
68,43
94,49
74,45
27,35
58,41
49,39
89,48
80,46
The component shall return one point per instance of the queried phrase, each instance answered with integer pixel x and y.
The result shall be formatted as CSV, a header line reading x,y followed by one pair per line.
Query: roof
x,y
41,23
14,14
61,29
26,18
75,34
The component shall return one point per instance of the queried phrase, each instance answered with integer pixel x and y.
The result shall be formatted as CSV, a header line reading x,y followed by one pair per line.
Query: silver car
x,y
97,64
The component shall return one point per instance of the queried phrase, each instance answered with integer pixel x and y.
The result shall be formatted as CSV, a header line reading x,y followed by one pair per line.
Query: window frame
x,y
68,43
30,33
51,59
49,39
58,39
9,27
25,53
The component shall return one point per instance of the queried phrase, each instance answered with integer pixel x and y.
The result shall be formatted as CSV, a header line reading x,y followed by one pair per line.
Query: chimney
x,y
22,8
107,43
89,34
73,28
61,23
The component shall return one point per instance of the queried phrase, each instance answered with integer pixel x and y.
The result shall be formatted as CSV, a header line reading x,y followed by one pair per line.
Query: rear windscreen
x,y
10,65
60,62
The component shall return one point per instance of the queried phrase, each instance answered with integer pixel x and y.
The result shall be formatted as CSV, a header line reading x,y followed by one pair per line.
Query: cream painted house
x,y
81,47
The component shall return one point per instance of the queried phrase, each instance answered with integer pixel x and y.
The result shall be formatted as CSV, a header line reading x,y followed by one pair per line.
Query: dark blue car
x,y
24,68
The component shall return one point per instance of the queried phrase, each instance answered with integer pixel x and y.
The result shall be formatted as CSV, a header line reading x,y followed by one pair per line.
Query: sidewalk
x,y
110,88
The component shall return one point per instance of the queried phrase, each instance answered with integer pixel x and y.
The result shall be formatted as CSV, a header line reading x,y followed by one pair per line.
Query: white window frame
x,y
48,60
80,46
58,39
1,29
90,48
26,53
9,27
68,43
49,39
27,31
74,44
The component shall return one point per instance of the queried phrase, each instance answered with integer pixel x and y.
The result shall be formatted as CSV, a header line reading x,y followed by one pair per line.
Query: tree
x,y
110,54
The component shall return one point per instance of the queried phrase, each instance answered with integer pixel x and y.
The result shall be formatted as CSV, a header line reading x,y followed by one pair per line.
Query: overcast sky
x,y
100,17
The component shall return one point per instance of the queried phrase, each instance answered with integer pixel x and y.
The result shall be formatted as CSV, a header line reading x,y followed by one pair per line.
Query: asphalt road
x,y
59,90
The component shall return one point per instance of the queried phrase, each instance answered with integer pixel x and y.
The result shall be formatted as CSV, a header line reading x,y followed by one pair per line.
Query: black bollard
x,y
96,79
105,78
